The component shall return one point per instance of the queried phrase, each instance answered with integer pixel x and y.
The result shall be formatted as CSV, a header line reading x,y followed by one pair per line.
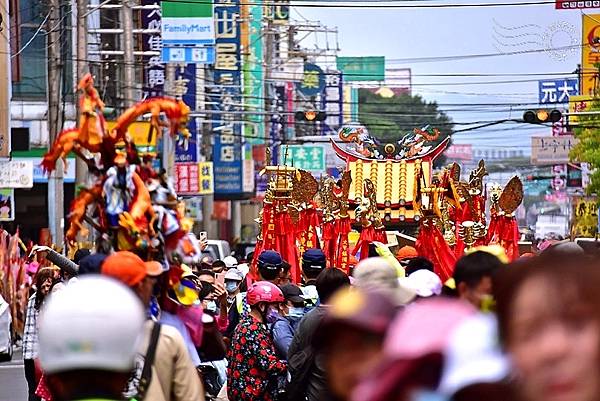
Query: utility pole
x,y
128,56
168,144
81,176
5,81
55,181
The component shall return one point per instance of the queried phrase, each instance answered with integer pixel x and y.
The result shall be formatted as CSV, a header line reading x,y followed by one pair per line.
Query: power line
x,y
383,4
33,37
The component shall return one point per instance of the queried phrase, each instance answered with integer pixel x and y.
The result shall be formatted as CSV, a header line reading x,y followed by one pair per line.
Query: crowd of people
x,y
126,329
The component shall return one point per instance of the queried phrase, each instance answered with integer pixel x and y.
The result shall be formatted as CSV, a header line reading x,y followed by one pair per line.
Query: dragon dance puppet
x,y
129,203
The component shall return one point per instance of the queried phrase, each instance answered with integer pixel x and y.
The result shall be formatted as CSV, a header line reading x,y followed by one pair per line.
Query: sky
x,y
417,33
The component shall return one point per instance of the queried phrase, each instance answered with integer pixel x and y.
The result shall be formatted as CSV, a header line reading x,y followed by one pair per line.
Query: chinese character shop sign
x,y
16,174
313,80
311,158
226,99
557,90
184,86
187,178
154,69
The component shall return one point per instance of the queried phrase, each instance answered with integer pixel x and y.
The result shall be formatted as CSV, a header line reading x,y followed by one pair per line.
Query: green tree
x,y
587,149
390,119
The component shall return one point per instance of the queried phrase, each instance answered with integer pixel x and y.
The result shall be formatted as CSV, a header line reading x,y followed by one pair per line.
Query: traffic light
x,y
542,116
310,115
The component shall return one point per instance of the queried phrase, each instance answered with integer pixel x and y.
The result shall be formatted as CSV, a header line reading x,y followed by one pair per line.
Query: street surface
x,y
13,386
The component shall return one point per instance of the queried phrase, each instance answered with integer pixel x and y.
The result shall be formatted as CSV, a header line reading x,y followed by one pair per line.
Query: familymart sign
x,y
187,23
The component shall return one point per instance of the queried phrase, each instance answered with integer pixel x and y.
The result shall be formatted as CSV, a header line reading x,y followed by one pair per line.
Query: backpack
x,y
300,366
139,380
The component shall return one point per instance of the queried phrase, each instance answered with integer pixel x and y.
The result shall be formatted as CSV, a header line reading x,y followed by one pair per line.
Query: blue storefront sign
x,y
313,80
185,84
194,55
553,91
226,102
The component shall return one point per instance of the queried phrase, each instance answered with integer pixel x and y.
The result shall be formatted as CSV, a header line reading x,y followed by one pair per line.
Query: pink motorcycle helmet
x,y
263,291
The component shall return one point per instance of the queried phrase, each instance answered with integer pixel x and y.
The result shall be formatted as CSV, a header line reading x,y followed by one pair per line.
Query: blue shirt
x,y
173,321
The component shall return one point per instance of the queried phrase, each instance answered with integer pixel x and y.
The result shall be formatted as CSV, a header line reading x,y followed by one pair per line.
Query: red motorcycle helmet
x,y
264,291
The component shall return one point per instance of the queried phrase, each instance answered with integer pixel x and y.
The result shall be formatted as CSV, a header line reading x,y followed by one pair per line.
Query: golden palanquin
x,y
397,182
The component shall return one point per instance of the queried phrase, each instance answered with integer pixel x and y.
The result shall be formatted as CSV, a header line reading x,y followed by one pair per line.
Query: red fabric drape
x,y
431,245
267,240
343,228
302,229
380,235
506,234
367,235
258,248
313,221
268,226
286,243
329,237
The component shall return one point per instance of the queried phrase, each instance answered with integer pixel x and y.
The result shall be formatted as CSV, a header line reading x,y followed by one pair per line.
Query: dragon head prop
x,y
179,118
86,82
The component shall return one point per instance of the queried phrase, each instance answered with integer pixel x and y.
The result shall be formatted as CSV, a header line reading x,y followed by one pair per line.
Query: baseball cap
x,y
230,261
365,310
568,247
473,355
234,274
314,258
293,293
91,324
270,259
406,252
495,250
416,339
206,262
80,254
129,268
182,288
377,274
91,264
424,282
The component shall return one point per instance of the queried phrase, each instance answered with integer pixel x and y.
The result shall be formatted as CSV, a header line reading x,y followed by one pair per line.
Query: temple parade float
x,y
131,206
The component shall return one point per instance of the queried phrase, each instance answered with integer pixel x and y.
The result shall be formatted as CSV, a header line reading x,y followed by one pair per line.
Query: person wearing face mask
x,y
473,275
290,314
233,280
214,302
254,368
236,299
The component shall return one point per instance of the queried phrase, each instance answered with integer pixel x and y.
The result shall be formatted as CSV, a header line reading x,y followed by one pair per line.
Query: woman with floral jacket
x,y
254,368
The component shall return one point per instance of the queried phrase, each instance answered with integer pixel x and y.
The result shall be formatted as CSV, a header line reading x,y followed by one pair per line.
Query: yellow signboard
x,y
590,54
578,104
205,175
141,133
585,217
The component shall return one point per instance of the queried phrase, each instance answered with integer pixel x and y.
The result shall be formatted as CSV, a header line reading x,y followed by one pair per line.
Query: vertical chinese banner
x,y
254,130
187,178
590,53
154,69
5,81
185,87
585,217
205,176
226,101
331,102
